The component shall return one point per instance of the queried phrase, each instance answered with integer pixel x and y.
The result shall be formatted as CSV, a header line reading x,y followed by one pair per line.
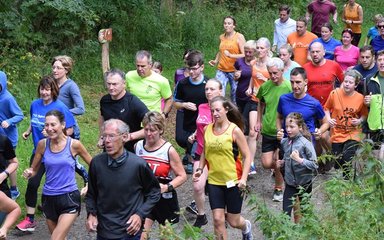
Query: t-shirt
x,y
365,73
287,72
343,109
244,79
224,160
203,119
188,91
231,45
309,107
329,47
38,111
282,30
321,79
320,14
257,82
270,93
300,46
373,32
150,90
347,58
128,109
377,43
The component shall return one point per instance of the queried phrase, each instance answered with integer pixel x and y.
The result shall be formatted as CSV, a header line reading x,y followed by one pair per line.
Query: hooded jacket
x,y
297,174
375,118
9,111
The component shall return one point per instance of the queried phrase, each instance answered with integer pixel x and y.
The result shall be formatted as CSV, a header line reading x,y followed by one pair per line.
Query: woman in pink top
x,y
213,88
347,54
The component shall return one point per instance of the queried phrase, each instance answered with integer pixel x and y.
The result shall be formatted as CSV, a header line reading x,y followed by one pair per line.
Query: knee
x,y
252,134
235,222
199,187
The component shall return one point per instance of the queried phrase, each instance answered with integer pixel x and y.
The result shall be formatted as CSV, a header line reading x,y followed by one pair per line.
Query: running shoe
x,y
185,159
248,235
278,195
15,193
201,220
26,225
252,170
192,208
189,168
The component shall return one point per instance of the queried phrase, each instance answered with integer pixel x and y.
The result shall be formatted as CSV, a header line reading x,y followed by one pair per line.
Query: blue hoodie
x,y
9,111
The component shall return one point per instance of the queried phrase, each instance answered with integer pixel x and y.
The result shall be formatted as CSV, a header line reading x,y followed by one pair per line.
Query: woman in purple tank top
x,y
61,197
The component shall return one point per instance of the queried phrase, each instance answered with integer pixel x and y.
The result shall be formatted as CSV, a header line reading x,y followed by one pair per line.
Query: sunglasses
x,y
380,26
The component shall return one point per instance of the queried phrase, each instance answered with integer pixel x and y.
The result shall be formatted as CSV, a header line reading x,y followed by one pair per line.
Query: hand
x,y
190,106
92,223
248,92
258,127
296,156
28,173
84,190
134,224
332,122
367,99
274,47
356,121
212,63
196,176
100,142
192,138
44,132
163,188
26,135
4,124
317,134
242,184
280,134
237,74
280,163
226,53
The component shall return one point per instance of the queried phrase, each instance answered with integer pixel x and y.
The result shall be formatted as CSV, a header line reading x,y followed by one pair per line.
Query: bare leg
x,y
198,189
251,140
219,224
236,221
64,224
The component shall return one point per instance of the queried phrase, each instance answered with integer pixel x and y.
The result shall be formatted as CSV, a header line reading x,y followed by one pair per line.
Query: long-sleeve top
x,y
117,191
282,30
297,174
70,95
9,111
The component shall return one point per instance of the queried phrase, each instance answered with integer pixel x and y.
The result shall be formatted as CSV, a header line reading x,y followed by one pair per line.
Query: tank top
x,y
222,154
60,170
226,64
352,14
157,159
256,81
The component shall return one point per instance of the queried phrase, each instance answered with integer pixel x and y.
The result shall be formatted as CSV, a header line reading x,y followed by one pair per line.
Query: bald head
x,y
317,53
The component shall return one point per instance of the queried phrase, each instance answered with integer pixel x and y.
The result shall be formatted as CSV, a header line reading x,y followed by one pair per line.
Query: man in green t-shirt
x,y
149,86
374,101
269,94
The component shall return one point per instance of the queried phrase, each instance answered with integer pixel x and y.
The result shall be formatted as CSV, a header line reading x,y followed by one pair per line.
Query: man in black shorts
x,y
120,104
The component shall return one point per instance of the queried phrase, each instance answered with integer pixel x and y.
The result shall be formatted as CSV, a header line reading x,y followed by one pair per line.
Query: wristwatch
x,y
170,187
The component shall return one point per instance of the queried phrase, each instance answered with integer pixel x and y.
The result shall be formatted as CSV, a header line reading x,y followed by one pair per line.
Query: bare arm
x,y
79,149
177,168
240,43
13,212
30,172
168,105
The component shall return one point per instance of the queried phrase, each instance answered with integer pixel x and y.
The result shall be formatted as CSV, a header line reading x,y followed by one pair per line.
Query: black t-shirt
x,y
186,91
6,153
129,109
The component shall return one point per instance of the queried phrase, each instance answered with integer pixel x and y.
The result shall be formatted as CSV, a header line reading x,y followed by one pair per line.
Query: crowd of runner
x,y
317,95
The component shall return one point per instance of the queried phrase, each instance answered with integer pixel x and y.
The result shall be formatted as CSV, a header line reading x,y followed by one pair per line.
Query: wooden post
x,y
105,36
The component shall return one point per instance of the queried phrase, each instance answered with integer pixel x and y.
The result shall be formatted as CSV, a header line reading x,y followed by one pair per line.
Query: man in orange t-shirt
x,y
300,41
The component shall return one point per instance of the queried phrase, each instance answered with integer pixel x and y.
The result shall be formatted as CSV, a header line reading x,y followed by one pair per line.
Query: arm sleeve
x,y
310,157
151,190
68,116
79,108
91,196
16,112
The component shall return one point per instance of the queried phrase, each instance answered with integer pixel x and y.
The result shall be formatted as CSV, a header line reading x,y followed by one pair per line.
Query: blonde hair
x,y
66,61
299,120
155,119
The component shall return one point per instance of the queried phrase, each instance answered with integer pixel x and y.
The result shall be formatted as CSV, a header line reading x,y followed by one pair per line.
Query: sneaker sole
x,y
191,210
26,229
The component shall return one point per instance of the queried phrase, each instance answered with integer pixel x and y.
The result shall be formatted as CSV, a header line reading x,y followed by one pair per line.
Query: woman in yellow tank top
x,y
227,156
231,47
353,18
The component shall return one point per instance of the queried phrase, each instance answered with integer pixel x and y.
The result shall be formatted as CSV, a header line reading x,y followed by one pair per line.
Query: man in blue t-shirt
x,y
367,66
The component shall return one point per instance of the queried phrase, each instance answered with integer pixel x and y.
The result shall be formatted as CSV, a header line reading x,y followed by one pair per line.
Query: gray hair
x,y
287,47
355,74
142,54
122,127
113,72
275,62
265,41
250,44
